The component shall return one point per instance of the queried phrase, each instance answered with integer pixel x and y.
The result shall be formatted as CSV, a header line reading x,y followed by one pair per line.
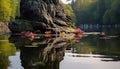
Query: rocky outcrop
x,y
40,15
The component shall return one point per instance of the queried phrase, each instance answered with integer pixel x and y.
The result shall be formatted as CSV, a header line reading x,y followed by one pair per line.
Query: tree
x,y
7,10
68,11
97,11
85,11
112,14
13,8
18,9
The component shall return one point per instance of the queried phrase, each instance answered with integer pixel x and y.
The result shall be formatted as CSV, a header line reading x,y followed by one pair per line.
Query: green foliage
x,y
18,9
7,10
112,14
97,11
13,8
69,11
85,11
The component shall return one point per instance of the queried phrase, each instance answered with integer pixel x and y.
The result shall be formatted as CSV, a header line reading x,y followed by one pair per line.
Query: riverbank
x,y
3,28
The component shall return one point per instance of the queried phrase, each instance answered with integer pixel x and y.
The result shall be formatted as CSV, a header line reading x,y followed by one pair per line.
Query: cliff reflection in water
x,y
42,53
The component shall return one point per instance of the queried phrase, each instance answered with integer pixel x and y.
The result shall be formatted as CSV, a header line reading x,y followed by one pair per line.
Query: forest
x,y
81,11
96,11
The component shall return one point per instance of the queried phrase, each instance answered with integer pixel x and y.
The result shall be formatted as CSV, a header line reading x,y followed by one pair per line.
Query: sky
x,y
66,1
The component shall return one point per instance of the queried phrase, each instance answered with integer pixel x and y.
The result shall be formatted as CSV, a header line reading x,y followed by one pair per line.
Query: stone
x,y
40,15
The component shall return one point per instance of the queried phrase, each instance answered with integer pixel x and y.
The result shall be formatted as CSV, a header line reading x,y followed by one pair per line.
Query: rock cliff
x,y
41,15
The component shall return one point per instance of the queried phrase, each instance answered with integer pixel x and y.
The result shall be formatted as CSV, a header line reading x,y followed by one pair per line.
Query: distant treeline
x,y
97,11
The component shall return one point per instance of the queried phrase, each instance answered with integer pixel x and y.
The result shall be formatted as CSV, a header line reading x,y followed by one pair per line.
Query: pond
x,y
93,51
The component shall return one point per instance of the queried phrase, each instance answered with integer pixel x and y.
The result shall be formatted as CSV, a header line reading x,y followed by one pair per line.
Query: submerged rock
x,y
40,15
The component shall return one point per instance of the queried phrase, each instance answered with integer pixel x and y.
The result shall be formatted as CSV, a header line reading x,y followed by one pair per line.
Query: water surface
x,y
91,52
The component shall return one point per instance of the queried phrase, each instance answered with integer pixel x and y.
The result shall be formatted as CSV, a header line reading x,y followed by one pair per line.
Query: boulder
x,y
40,15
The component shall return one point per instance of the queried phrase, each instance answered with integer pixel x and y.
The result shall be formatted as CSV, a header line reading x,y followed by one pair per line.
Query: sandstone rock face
x,y
41,15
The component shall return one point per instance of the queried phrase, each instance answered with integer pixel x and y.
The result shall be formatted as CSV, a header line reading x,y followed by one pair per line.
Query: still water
x,y
91,52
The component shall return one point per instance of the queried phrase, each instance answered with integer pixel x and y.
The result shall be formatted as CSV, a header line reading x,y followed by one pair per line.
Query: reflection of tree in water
x,y
6,50
41,53
108,48
4,62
